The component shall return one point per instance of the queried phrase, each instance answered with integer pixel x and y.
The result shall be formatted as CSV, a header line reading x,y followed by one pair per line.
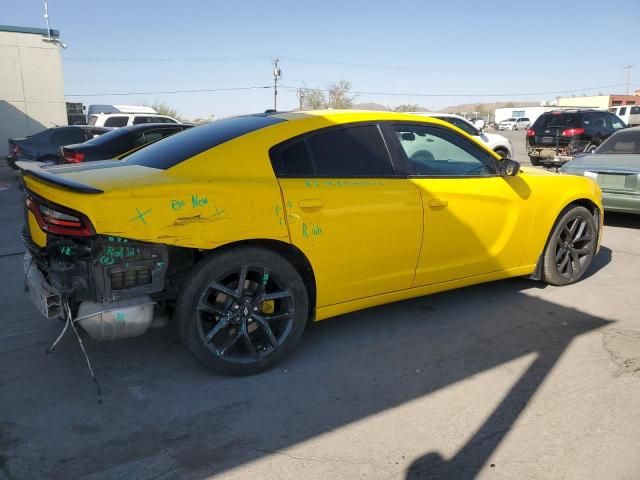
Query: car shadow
x,y
162,412
625,220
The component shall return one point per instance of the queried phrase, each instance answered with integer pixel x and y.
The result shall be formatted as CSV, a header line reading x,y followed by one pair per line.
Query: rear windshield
x,y
624,142
547,120
117,135
177,148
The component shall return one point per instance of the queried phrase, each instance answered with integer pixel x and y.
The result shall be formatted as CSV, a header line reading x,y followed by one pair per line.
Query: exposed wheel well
x,y
501,151
292,254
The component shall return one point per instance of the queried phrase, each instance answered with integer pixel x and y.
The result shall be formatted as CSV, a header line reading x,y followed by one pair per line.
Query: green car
x,y
615,165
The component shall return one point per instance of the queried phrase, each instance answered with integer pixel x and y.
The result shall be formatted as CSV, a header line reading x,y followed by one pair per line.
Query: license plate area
x,y
548,140
613,181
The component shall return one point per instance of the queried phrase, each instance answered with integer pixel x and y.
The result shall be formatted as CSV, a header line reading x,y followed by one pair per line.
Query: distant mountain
x,y
486,107
370,106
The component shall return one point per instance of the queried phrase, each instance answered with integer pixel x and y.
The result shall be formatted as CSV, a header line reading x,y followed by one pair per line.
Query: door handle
x,y
311,203
437,203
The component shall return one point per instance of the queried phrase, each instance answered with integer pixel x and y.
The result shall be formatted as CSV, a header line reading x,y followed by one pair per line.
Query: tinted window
x,y
120,139
178,148
626,141
547,120
137,120
165,120
68,136
296,160
438,152
350,152
616,123
154,135
116,121
623,110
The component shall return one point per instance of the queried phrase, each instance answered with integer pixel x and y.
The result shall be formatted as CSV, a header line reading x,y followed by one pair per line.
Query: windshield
x,y
624,142
510,119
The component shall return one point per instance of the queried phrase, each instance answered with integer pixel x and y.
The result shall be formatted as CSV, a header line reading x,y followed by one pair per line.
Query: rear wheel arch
x,y
289,252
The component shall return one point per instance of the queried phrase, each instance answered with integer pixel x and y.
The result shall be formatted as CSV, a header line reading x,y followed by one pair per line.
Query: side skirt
x,y
329,311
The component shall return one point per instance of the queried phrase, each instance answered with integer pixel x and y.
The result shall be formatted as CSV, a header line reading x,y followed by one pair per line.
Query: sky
x,y
433,54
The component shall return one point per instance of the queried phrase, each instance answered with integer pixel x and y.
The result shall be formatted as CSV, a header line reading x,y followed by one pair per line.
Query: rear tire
x,y
535,161
571,247
242,310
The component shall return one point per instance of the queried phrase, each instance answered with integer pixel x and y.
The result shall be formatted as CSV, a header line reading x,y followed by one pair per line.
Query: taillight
x,y
572,132
73,157
58,220
531,132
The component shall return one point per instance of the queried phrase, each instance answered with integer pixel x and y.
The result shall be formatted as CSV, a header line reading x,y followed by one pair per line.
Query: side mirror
x,y
508,167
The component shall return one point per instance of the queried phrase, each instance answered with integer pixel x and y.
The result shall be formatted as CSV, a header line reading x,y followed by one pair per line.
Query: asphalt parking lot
x,y
508,380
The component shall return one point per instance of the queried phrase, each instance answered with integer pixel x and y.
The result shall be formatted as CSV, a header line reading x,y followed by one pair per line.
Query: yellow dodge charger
x,y
247,228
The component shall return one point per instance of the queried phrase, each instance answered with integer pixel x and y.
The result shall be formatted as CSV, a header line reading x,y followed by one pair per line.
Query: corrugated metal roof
x,y
36,31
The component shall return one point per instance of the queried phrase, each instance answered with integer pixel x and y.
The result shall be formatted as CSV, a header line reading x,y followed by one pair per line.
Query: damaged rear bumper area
x,y
107,283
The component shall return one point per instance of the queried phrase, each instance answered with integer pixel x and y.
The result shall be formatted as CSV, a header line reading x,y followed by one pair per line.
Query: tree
x,y
407,107
313,99
339,95
164,109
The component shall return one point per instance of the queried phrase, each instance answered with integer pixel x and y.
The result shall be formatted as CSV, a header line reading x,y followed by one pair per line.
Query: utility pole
x,y
628,69
277,74
300,95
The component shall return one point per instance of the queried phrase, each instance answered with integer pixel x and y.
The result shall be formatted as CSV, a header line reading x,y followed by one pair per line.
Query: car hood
x,y
605,162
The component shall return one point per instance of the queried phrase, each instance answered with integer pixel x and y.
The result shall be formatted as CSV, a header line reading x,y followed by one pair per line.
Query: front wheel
x,y
571,247
242,310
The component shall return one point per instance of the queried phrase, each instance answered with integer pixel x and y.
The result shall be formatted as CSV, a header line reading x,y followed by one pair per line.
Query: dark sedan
x,y
44,146
615,165
118,142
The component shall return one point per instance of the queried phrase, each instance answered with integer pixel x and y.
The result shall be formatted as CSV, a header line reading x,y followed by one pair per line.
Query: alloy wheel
x,y
574,246
245,315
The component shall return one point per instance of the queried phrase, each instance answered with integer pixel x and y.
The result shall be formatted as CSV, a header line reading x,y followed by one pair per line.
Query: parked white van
x,y
123,115
630,114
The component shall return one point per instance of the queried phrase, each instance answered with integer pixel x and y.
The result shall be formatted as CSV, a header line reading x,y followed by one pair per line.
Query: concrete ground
x,y
508,380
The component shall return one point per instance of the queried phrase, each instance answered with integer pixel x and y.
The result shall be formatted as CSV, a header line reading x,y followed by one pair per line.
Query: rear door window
x,y
345,152
118,121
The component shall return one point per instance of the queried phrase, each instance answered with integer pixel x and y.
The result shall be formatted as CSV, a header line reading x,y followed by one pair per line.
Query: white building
x,y
532,113
31,84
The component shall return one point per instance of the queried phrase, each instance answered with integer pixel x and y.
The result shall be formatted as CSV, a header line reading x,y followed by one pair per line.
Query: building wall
x,y
596,101
624,100
532,113
31,86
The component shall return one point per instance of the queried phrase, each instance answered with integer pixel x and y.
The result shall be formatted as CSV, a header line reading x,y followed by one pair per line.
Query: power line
x,y
164,92
414,94
431,68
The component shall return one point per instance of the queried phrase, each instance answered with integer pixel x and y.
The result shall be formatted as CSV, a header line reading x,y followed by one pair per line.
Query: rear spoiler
x,y
33,169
